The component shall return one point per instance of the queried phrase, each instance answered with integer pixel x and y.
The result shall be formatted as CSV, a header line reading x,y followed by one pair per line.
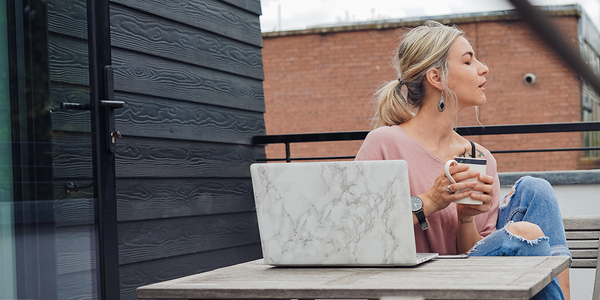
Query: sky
x,y
301,14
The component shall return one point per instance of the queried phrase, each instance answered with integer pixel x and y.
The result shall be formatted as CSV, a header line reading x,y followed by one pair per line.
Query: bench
x,y
583,235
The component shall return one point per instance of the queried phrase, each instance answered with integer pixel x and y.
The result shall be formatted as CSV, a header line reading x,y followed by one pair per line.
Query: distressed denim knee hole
x,y
525,230
531,182
510,194
531,242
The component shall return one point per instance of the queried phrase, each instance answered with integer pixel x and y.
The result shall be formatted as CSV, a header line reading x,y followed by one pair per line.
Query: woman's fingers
x,y
486,179
473,210
460,176
444,191
458,169
462,185
453,197
484,188
486,198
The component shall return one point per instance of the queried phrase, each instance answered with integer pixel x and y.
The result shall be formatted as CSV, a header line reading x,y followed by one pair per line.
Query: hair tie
x,y
400,83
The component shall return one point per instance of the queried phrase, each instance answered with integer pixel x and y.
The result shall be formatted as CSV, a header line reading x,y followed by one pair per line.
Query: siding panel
x,y
149,34
162,118
71,120
156,239
60,92
69,60
71,211
141,199
144,273
78,286
142,74
249,5
72,155
147,158
68,17
211,15
74,249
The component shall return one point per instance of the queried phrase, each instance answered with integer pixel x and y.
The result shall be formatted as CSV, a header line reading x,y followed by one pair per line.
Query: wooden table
x,y
470,278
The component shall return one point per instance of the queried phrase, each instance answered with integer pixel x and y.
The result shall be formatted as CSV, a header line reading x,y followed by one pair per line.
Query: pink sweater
x,y
389,143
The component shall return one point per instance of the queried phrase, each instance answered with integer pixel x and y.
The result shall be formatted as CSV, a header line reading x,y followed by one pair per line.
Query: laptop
x,y
351,213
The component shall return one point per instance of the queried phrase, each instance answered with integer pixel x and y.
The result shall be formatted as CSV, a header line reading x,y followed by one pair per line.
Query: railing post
x,y
287,153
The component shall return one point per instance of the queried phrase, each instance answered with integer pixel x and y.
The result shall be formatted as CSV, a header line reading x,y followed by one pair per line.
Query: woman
x,y
439,75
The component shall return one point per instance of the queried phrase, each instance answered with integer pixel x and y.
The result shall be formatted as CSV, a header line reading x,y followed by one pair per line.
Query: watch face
x,y
416,203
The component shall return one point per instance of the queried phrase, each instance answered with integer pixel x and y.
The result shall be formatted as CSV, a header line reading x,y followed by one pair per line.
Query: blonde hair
x,y
421,49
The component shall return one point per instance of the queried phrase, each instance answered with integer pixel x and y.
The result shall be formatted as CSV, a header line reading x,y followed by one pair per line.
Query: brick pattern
x,y
325,83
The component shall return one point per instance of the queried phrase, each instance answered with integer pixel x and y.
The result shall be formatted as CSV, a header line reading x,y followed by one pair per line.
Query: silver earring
x,y
441,103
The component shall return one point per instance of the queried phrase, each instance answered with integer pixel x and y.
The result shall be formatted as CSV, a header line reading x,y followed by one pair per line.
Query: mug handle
x,y
449,164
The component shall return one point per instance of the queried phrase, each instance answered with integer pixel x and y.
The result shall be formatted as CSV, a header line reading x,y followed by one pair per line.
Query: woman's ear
x,y
434,77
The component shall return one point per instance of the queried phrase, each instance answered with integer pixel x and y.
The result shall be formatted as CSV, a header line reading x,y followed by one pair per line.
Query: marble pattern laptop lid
x,y
334,213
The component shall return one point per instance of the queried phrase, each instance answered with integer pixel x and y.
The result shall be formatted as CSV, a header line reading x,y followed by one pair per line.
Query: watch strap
x,y
421,217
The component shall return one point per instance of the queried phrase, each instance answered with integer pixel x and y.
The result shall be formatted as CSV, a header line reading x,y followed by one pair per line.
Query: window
x,y
591,103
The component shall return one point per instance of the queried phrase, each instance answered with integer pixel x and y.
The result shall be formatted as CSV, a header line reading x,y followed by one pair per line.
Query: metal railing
x,y
287,139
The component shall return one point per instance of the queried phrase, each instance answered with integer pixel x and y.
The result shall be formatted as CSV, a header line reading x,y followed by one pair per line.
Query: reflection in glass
x,y
7,238
47,205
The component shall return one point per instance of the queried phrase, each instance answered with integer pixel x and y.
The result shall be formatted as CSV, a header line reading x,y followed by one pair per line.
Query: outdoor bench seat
x,y
583,238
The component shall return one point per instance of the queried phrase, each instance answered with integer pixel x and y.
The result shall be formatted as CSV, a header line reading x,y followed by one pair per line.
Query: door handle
x,y
106,107
75,106
114,104
109,106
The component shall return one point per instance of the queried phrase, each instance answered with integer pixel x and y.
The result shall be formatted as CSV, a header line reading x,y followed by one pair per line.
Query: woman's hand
x,y
467,234
487,192
438,195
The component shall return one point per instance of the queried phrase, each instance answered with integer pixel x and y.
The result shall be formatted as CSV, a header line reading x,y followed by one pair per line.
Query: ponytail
x,y
392,106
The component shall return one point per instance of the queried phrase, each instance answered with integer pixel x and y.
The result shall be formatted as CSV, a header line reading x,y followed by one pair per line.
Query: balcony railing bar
x,y
289,159
465,131
546,150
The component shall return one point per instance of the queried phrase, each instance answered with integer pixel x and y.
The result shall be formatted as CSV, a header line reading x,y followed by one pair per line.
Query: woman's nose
x,y
483,70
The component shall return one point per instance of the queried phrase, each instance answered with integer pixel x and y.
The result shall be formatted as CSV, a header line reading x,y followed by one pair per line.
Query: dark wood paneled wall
x,y
190,73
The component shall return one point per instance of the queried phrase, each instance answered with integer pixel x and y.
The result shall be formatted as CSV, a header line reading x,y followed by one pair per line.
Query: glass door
x,y
54,242
7,236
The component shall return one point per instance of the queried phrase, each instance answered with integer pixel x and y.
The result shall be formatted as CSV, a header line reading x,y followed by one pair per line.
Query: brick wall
x,y
325,82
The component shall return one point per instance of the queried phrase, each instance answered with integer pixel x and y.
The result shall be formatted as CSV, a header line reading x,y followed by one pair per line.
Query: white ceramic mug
x,y
476,164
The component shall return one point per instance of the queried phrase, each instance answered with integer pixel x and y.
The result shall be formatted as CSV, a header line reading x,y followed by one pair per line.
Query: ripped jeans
x,y
532,200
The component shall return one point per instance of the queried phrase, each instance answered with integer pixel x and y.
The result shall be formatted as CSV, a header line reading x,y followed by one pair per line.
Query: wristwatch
x,y
417,208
